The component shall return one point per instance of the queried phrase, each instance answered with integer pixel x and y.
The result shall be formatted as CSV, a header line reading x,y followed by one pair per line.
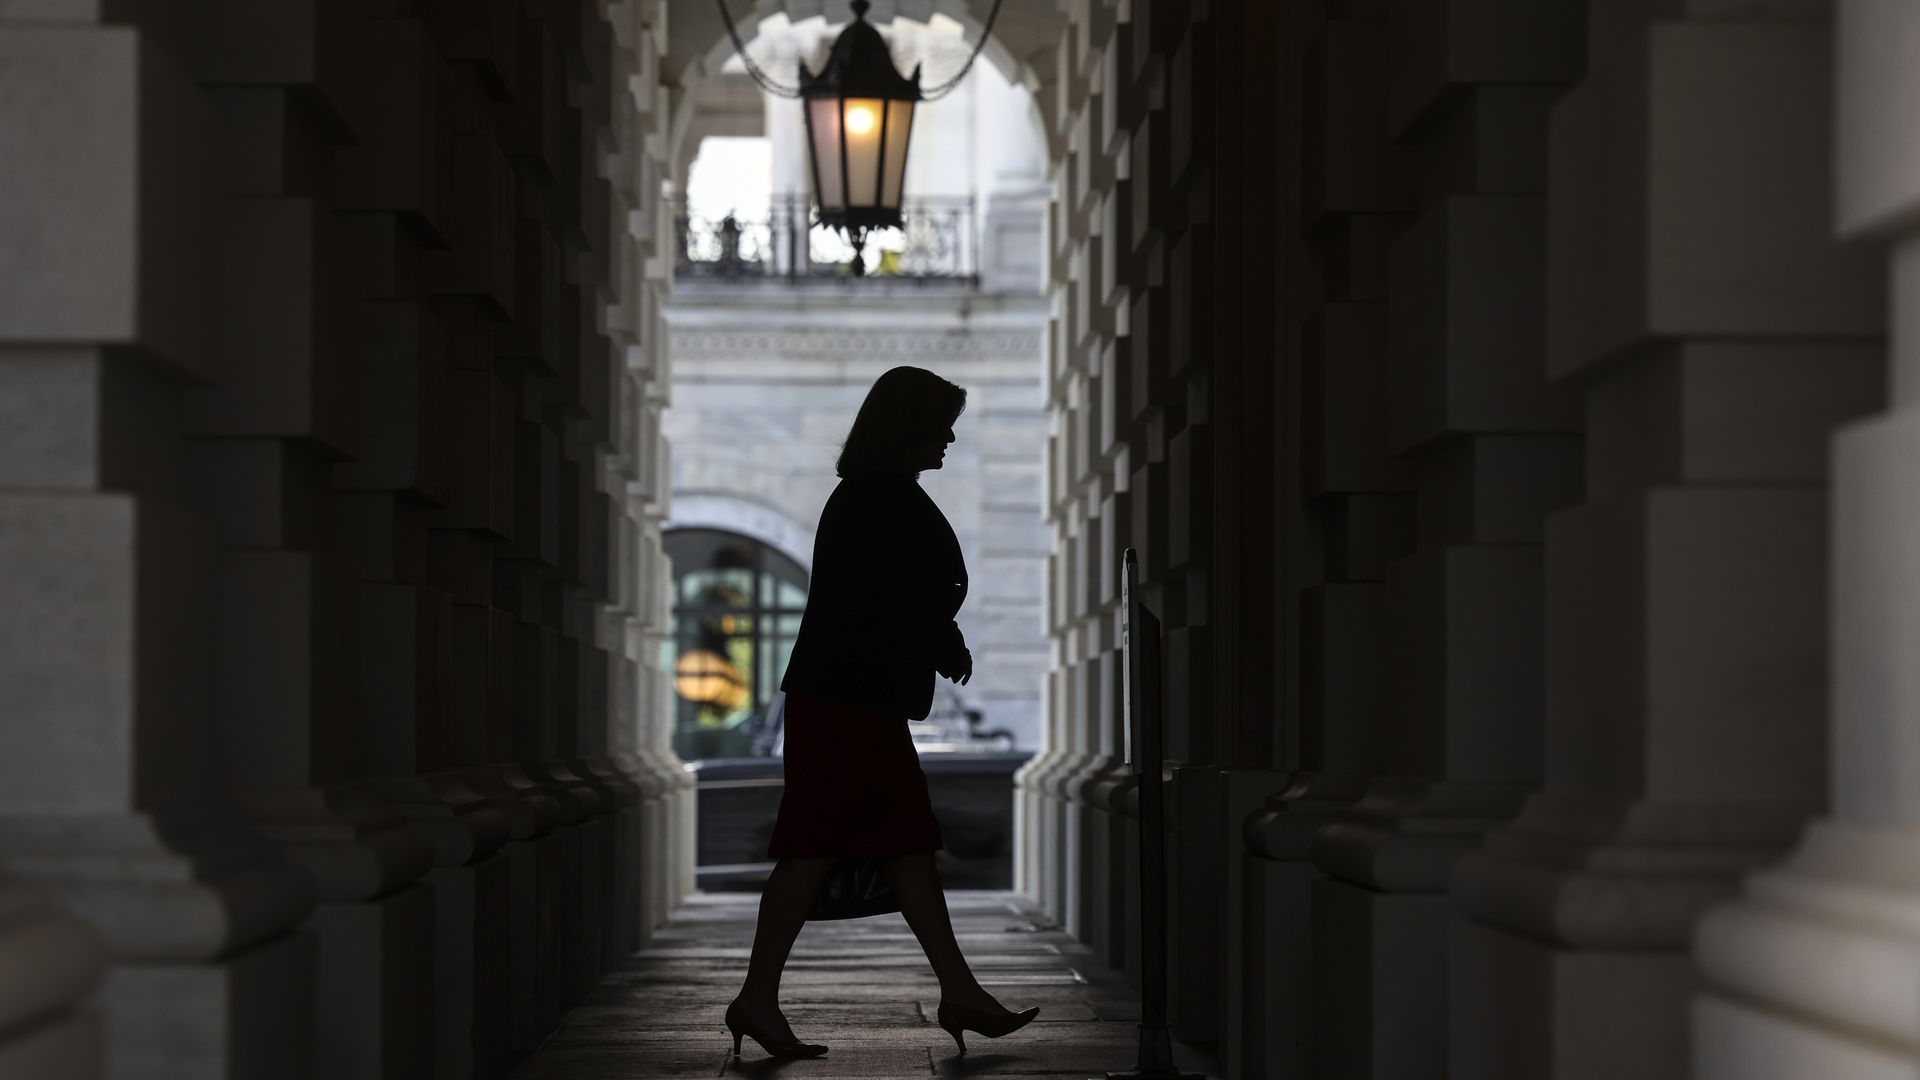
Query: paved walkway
x,y
862,987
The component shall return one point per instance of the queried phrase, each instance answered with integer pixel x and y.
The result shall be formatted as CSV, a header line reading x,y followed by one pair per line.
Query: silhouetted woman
x,y
887,579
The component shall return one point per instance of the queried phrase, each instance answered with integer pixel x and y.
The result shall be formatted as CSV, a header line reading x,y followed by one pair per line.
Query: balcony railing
x,y
939,243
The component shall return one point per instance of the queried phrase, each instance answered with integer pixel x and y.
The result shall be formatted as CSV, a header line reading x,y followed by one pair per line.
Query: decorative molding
x,y
839,343
749,517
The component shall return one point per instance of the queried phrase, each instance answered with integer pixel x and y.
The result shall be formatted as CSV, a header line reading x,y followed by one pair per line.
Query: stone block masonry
x,y
1466,374
331,375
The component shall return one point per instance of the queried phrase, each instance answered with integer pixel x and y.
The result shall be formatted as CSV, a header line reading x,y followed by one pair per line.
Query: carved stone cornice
x,y
839,343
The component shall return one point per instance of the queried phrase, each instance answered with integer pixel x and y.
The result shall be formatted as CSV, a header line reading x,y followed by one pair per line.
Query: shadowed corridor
x,y
1513,408
862,987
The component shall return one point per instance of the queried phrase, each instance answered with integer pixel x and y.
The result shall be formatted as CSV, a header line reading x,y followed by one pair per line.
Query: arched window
x,y
736,609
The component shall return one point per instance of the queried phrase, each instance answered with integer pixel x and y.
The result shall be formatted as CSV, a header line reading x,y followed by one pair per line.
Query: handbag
x,y
855,889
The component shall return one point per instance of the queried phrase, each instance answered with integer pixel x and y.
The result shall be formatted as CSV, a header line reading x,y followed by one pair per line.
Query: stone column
x,y
1352,190
1232,278
1040,848
1159,364
631,169
644,746
1810,971
1048,813
327,634
1097,445
1485,445
1168,123
107,753
1715,332
1086,583
311,389
438,417
666,787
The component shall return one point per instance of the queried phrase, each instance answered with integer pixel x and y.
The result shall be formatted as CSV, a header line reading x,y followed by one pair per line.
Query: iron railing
x,y
784,242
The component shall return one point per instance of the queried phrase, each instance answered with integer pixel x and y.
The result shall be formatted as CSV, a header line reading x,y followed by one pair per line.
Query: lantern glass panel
x,y
863,128
823,127
899,130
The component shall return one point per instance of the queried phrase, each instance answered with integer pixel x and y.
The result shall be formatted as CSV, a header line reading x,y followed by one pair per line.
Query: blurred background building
x,y
773,341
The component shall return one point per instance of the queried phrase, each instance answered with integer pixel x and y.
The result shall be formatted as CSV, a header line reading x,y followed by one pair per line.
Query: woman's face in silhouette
x,y
934,450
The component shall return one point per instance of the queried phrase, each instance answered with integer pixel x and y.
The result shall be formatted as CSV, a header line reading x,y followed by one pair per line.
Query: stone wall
x,y
330,381
1162,374
1478,469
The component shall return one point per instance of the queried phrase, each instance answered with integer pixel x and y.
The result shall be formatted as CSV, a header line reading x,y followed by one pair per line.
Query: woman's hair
x,y
907,407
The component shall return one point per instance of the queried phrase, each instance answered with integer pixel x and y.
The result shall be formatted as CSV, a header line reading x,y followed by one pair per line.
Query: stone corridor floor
x,y
861,986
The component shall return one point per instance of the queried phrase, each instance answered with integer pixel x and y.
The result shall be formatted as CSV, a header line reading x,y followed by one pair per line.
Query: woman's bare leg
x,y
916,883
784,904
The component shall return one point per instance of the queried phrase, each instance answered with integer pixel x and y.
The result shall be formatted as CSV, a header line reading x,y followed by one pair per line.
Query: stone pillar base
x,y
1196,901
1733,1038
1104,894
379,969
1030,841
556,875
470,905
687,839
49,965
1052,885
67,1049
656,846
1522,1009
248,1015
1245,795
1127,879
1811,972
1379,964
524,943
1073,857
623,921
587,911
1276,994
1276,1010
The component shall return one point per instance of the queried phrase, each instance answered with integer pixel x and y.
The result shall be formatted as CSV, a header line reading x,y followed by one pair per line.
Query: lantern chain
x,y
986,31
766,82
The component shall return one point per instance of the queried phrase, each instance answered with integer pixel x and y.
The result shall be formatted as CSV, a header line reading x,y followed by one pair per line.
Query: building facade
x,y
772,353
766,381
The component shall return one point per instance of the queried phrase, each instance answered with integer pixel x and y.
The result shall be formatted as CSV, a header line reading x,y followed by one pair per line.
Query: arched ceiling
x,y
1023,47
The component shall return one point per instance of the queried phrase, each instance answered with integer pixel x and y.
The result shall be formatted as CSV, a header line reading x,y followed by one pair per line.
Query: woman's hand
x,y
954,662
958,666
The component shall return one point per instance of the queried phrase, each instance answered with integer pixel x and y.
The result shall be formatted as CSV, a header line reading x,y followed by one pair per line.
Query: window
x,y
736,610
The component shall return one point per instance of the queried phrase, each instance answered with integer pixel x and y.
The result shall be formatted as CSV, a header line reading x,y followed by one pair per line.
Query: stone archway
x,y
1022,47
751,518
1025,49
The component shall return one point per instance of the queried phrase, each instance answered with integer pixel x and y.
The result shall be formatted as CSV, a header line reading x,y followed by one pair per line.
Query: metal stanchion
x,y
1141,628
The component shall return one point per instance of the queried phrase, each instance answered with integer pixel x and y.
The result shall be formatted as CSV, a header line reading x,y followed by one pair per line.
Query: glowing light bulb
x,y
859,120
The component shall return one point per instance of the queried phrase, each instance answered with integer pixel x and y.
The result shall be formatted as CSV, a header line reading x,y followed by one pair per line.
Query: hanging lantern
x,y
859,112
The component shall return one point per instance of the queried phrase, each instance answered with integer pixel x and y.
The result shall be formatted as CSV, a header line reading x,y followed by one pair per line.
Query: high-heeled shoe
x,y
958,1018
738,1025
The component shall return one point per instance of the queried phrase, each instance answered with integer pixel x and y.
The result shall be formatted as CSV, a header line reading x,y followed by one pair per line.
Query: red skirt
x,y
854,789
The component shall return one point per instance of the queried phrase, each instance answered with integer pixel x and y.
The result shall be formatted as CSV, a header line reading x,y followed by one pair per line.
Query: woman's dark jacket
x,y
887,579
